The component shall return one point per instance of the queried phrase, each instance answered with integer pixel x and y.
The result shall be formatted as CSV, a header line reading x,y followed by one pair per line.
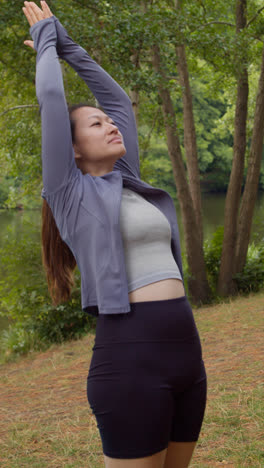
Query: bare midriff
x,y
160,290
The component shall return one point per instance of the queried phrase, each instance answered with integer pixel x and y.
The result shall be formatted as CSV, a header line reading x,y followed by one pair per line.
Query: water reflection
x,y
213,216
14,224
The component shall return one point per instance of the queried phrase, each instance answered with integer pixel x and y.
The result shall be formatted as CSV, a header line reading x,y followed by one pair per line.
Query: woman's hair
x,y
58,260
71,109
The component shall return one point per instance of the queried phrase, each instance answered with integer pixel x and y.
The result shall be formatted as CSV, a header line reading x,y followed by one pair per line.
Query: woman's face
x,y
98,142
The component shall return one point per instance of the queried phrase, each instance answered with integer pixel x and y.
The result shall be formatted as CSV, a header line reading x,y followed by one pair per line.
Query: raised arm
x,y
58,164
108,93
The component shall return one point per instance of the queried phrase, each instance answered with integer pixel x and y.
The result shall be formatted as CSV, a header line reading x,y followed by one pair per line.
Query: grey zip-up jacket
x,y
86,208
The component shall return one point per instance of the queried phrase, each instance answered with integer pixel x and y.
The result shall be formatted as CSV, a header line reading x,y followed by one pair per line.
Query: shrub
x,y
4,190
212,255
252,276
17,340
25,299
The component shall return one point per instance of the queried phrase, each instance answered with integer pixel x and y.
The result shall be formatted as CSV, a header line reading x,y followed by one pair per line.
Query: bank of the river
x,y
46,420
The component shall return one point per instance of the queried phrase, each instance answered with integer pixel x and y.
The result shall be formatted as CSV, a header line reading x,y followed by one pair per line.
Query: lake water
x,y
213,215
16,223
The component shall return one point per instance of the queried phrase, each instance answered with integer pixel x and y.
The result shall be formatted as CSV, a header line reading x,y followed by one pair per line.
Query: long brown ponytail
x,y
58,260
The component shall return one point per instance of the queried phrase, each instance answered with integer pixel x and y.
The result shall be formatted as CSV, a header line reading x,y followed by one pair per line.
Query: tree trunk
x,y
225,281
198,284
134,93
190,145
190,138
251,188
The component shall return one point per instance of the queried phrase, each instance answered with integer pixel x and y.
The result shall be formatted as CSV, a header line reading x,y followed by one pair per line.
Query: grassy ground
x,y
45,419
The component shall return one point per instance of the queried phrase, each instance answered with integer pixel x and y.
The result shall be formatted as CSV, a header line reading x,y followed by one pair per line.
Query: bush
x,y
64,322
17,340
212,255
25,299
252,276
39,324
4,190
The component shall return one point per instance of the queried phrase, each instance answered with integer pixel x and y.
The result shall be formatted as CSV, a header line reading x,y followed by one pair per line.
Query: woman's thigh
x,y
133,414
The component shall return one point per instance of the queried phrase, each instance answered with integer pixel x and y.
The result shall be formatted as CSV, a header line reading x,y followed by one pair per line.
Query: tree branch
x,y
204,8
85,5
254,17
18,107
257,38
224,23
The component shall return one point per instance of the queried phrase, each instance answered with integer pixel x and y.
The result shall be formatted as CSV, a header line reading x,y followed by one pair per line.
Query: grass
x,y
46,420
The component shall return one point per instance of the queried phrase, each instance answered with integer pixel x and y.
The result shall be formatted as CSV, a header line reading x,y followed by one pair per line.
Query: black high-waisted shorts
x,y
147,382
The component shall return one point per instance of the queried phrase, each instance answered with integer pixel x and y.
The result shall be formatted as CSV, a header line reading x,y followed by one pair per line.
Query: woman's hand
x,y
34,14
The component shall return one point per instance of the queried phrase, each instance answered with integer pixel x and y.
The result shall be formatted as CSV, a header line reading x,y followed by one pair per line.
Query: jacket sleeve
x,y
58,164
108,93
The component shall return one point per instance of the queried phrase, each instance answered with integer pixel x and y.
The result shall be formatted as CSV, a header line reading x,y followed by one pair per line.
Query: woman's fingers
x,y
29,43
36,12
27,13
46,9
33,12
30,13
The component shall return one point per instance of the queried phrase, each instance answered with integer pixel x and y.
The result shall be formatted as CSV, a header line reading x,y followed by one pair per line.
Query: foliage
x,y
112,32
252,276
212,255
4,190
35,331
16,340
35,319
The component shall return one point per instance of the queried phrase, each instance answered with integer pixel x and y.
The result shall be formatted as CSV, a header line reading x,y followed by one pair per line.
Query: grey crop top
x,y
146,236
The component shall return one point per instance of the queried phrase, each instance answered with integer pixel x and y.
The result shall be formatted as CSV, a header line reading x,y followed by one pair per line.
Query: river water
x,y
16,223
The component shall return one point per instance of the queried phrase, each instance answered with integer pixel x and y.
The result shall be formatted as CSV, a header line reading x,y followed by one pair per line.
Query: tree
x,y
227,268
198,284
238,224
251,187
190,140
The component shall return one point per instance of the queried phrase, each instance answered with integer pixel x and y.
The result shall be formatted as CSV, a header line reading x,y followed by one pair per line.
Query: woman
x,y
146,382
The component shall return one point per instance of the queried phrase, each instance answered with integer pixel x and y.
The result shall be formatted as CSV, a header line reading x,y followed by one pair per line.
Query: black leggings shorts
x,y
147,382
